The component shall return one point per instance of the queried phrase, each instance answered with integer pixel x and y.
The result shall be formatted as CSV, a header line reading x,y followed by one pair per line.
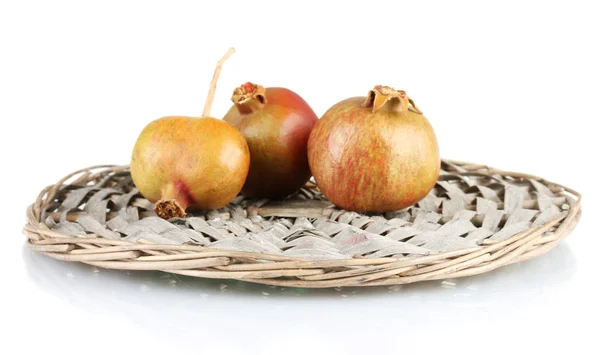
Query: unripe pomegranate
x,y
276,123
374,154
196,162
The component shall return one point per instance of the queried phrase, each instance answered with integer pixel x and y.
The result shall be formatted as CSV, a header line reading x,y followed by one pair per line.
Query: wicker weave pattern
x,y
476,219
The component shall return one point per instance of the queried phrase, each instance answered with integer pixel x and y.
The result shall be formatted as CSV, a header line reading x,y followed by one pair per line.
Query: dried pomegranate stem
x,y
385,97
175,198
213,83
168,209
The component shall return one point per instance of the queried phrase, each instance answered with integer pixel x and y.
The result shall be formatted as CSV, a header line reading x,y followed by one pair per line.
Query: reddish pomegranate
x,y
276,123
374,154
196,162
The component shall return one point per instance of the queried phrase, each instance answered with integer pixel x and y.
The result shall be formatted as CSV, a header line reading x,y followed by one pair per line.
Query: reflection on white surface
x,y
179,307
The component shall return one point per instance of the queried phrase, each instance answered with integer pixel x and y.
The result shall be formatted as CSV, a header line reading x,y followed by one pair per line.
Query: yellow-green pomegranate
x,y
180,162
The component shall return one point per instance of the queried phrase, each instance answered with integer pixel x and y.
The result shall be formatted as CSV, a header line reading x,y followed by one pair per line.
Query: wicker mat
x,y
476,219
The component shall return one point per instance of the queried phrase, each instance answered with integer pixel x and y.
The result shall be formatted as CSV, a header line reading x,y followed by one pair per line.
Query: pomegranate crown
x,y
247,92
394,100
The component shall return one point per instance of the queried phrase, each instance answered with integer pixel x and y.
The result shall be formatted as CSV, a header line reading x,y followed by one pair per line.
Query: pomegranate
x,y
180,162
276,123
374,154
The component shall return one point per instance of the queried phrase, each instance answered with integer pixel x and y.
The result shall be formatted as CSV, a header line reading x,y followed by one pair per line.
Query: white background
x,y
514,85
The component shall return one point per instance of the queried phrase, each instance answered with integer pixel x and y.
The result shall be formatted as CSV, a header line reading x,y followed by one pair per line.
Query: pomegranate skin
x,y
276,125
200,163
369,160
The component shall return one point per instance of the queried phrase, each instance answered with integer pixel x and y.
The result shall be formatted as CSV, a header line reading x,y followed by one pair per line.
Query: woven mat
x,y
474,220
